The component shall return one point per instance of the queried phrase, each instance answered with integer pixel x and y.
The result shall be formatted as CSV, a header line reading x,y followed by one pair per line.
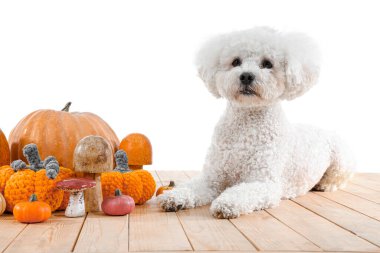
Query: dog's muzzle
x,y
246,80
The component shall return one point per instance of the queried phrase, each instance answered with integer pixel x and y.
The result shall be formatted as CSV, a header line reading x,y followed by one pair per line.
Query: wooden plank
x,y
363,192
102,233
245,251
9,229
58,234
359,224
367,180
269,234
207,233
167,175
320,231
192,173
361,205
204,231
151,229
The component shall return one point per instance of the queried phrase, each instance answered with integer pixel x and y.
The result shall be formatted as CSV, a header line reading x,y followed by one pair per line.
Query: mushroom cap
x,y
93,154
76,184
138,149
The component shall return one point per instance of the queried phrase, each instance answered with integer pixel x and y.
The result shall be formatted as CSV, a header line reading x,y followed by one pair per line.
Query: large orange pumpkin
x,y
4,150
57,133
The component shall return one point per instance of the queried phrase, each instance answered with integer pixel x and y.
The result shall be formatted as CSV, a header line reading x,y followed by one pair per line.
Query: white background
x,y
131,62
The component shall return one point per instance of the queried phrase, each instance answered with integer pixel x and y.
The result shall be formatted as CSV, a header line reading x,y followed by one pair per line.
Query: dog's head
x,y
258,67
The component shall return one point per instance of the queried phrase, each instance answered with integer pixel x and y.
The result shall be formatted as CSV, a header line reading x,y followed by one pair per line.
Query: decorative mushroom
x,y
76,186
139,150
93,156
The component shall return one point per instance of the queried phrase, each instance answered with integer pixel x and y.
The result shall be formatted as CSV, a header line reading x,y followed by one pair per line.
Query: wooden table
x,y
347,220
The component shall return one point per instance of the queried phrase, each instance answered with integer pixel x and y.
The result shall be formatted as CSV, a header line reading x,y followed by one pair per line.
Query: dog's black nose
x,y
247,78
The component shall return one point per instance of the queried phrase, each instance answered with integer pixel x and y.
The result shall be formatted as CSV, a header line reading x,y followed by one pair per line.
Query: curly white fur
x,y
256,156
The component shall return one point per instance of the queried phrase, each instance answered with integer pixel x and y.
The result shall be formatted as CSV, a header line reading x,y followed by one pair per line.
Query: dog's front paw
x,y
172,201
222,210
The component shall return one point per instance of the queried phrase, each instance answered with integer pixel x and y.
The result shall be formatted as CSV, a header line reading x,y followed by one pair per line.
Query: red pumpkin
x,y
32,211
118,204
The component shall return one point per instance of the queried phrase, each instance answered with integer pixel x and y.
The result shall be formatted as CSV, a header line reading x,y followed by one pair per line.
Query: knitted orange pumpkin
x,y
39,177
137,185
121,178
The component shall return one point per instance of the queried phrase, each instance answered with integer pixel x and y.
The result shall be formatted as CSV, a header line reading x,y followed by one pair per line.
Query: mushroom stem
x,y
93,196
136,167
76,206
30,151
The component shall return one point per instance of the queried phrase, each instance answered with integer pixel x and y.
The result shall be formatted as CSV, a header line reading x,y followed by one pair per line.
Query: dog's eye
x,y
236,62
266,64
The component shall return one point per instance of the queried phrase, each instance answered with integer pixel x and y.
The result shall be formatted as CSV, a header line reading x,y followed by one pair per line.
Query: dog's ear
x,y
207,76
301,64
207,64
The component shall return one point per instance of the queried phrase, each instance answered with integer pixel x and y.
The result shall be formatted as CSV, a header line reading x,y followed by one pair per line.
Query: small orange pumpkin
x,y
139,150
3,204
165,188
32,211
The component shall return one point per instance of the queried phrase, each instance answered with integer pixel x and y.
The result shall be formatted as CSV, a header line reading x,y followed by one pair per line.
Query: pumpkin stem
x,y
52,167
18,165
121,161
30,151
118,192
171,184
67,107
33,197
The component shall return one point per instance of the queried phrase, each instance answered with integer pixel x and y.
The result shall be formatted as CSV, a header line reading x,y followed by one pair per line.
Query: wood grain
x,y
367,180
269,234
102,233
359,224
363,192
151,229
361,205
56,235
320,231
177,176
208,233
9,229
204,231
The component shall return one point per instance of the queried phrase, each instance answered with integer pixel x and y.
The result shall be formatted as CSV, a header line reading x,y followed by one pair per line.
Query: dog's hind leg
x,y
340,170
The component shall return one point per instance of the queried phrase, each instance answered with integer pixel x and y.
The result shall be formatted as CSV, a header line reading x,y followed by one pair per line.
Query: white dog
x,y
256,156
